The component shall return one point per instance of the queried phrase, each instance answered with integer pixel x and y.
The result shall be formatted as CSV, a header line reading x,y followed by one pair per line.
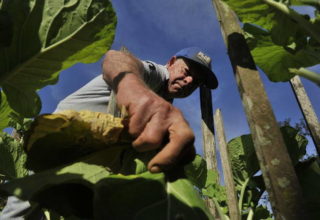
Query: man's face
x,y
183,78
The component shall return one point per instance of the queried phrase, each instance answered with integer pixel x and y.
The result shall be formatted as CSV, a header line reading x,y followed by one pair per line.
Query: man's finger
x,y
152,136
179,150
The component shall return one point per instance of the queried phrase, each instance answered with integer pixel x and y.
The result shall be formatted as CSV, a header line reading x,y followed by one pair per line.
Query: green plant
x,y
248,179
282,41
85,167
39,39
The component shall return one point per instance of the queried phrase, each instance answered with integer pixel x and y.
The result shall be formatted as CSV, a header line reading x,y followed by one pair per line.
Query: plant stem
x,y
250,215
222,216
243,188
303,23
310,75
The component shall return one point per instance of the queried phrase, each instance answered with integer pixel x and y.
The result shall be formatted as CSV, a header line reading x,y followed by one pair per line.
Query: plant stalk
x,y
303,23
250,215
243,188
310,75
222,216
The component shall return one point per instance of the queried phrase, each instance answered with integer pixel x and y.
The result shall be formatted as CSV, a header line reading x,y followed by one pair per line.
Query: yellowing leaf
x,y
56,139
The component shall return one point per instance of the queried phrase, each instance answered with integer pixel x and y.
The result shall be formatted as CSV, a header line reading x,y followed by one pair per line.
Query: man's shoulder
x,y
153,67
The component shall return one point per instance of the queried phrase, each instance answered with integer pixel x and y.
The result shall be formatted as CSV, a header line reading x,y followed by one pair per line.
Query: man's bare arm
x,y
151,119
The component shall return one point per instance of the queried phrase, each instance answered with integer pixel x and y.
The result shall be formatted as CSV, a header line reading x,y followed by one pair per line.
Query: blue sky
x,y
155,30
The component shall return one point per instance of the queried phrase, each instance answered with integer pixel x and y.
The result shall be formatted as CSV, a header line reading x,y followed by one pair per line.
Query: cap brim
x,y
210,79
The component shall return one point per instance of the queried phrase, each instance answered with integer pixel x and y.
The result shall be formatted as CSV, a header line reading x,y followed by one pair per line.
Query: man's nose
x,y
188,79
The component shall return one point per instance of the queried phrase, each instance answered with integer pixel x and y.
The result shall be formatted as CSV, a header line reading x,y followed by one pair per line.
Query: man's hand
x,y
154,122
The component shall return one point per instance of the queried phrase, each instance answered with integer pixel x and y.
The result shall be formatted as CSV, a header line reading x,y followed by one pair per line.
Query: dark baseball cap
x,y
203,61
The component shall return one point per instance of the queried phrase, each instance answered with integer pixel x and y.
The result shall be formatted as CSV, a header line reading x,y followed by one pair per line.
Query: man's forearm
x,y
117,65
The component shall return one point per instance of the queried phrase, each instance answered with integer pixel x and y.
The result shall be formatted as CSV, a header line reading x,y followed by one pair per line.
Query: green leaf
x,y
196,172
214,190
296,143
244,160
133,162
276,60
261,212
253,11
148,196
290,40
90,191
5,111
308,173
6,31
282,30
49,36
12,157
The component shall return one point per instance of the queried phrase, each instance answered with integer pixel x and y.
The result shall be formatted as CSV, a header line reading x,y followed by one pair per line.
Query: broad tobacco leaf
x,y
207,181
5,111
12,157
308,173
284,44
243,157
253,11
275,60
196,172
262,212
105,179
89,191
41,38
57,139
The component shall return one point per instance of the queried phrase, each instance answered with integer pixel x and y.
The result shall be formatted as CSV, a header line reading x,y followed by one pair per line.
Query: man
x,y
145,89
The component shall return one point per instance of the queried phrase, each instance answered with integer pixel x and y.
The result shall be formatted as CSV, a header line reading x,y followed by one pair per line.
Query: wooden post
x,y
279,176
209,151
307,111
232,198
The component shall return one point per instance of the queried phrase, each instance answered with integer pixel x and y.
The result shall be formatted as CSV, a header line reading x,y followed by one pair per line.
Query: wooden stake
x,y
279,176
209,151
307,111
232,198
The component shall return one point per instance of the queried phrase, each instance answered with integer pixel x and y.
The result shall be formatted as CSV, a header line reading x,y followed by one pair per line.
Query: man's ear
x,y
171,61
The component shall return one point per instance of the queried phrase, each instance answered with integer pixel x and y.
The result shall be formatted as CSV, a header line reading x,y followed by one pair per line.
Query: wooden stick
x,y
307,110
232,198
209,151
279,176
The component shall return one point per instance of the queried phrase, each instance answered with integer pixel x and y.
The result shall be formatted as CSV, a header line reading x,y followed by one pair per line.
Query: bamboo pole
x,y
209,151
232,199
307,110
277,169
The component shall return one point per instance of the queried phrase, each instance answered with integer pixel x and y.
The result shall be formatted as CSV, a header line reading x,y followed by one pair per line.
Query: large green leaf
x,y
308,173
12,157
87,191
5,111
244,160
243,157
253,11
196,172
45,38
276,60
279,37
269,14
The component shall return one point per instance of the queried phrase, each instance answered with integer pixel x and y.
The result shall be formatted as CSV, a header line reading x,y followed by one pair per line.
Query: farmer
x,y
146,90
